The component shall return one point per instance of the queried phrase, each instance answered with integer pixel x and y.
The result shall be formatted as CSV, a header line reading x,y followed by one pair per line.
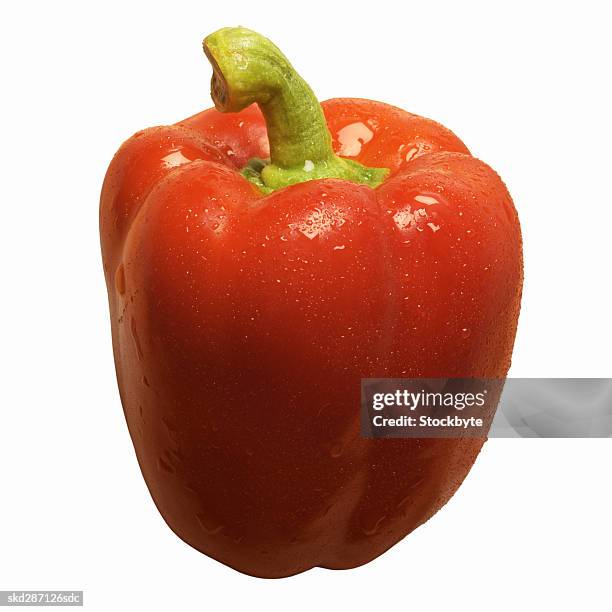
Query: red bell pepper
x,y
261,259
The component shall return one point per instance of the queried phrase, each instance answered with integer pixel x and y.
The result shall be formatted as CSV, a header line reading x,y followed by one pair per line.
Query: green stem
x,y
247,69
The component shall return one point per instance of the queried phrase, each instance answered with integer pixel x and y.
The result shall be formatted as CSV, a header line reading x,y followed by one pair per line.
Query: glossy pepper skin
x,y
243,322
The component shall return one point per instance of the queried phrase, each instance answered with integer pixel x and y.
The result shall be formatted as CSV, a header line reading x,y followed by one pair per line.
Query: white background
x,y
526,86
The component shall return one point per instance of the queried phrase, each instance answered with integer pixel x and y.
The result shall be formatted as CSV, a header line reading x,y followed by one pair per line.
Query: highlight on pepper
x,y
263,257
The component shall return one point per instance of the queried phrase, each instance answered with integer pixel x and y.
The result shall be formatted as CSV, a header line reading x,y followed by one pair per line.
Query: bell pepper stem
x,y
247,69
